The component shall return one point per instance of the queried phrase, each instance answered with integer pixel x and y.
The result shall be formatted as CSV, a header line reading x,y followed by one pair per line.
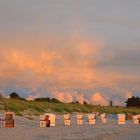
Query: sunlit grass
x,y
21,107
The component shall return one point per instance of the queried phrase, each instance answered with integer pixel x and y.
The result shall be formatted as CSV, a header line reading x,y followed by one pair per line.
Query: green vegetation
x,y
133,102
53,100
21,107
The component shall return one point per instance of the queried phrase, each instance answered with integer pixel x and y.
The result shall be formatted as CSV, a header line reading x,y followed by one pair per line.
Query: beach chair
x,y
47,120
9,119
80,119
103,118
67,119
136,119
42,121
91,119
129,116
121,118
51,118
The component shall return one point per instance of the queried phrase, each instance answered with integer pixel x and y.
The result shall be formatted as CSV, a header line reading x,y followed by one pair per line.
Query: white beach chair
x,y
42,121
9,119
80,119
67,119
103,118
136,119
121,118
91,119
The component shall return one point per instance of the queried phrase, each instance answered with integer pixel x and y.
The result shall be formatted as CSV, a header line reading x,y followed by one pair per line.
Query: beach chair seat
x,y
42,123
80,119
67,120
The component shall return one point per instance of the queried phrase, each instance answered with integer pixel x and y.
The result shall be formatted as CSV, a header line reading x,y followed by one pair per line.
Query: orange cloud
x,y
63,97
129,95
57,64
98,99
80,98
30,98
67,61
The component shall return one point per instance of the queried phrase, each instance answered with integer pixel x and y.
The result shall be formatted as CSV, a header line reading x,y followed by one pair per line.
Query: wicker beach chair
x,y
52,118
42,121
9,119
103,118
67,120
121,118
136,119
91,119
80,119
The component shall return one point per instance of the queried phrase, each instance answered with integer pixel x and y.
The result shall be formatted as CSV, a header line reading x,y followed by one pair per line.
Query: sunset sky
x,y
70,49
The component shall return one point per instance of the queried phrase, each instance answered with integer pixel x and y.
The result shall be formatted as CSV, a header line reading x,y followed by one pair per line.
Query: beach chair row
x,y
48,119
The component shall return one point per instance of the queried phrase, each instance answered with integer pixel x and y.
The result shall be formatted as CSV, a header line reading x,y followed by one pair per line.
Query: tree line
x,y
133,102
15,95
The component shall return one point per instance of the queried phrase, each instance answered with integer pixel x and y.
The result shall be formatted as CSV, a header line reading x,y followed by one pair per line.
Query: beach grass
x,y
21,107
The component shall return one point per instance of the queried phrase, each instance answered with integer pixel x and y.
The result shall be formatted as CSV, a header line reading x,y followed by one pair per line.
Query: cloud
x,y
80,98
65,61
98,99
30,98
63,97
129,95
68,69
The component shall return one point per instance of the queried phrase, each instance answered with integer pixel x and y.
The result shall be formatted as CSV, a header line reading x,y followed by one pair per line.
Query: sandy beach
x,y
26,129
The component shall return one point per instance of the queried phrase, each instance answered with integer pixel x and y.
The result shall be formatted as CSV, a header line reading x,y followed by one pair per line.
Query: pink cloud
x,y
58,64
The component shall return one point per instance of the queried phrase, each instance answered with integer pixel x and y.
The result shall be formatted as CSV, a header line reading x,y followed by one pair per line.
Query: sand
x,y
26,129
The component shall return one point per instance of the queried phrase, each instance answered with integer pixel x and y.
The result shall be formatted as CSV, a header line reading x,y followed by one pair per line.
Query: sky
x,y
70,49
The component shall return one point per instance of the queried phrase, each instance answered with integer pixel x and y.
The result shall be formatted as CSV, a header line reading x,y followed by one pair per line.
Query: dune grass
x,y
21,107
